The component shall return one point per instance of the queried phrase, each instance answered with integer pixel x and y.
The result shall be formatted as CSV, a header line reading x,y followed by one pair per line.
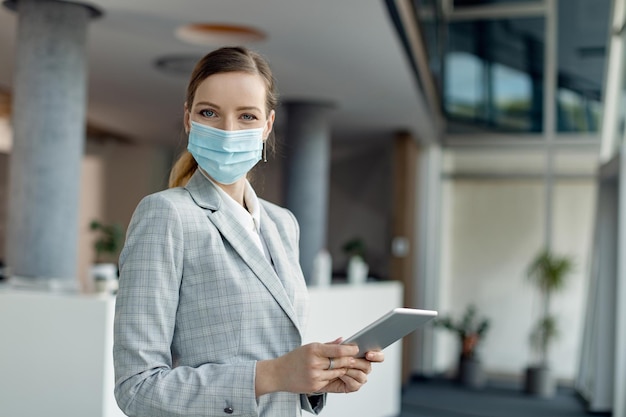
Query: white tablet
x,y
394,325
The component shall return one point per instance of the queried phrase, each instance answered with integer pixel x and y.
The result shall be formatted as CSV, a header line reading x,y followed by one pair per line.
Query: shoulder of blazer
x,y
172,200
178,197
283,218
277,213
203,192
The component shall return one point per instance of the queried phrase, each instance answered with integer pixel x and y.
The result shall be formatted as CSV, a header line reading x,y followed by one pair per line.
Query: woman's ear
x,y
187,119
269,124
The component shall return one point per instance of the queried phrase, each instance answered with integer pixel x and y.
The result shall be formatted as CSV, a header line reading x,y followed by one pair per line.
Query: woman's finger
x,y
357,375
375,356
338,363
350,384
362,365
332,350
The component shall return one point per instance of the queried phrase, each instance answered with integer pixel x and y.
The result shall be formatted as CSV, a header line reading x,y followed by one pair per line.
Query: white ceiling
x,y
346,52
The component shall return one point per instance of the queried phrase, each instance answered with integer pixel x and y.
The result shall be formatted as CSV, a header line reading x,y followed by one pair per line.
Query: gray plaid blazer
x,y
199,304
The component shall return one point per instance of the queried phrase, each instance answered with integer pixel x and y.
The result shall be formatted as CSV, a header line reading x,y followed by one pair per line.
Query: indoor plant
x,y
548,272
470,330
108,243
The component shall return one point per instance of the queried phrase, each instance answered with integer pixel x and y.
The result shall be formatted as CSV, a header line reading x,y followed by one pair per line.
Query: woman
x,y
212,302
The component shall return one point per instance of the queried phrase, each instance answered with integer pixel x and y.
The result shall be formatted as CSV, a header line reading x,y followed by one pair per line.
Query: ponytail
x,y
182,170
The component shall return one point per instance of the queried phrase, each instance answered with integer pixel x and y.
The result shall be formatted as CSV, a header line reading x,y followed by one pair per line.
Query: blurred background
x,y
448,143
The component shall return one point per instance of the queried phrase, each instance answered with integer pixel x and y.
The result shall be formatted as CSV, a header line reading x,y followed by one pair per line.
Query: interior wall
x,y
4,196
266,178
360,203
493,226
115,176
360,198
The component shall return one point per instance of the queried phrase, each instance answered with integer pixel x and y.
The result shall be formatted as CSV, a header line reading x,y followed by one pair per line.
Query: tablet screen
x,y
394,325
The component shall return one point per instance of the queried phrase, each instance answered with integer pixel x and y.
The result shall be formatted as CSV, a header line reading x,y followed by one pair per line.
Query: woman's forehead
x,y
232,87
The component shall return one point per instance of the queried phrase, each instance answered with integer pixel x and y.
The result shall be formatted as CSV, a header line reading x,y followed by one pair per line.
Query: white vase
x,y
321,275
357,270
104,276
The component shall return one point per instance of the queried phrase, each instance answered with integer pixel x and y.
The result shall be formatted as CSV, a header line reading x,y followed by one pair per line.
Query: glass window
x,y
583,30
490,72
576,113
512,90
464,93
493,75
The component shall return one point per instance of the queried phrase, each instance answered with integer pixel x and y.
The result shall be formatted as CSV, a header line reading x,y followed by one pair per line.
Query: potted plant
x,y
470,330
548,272
357,267
108,243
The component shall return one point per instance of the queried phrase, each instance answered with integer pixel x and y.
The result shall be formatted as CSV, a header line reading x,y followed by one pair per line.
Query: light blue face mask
x,y
226,155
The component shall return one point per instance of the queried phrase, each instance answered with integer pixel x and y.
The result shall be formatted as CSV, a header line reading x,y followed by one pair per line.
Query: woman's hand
x,y
305,369
308,369
356,376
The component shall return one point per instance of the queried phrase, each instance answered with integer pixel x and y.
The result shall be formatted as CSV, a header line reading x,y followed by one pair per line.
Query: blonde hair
x,y
229,59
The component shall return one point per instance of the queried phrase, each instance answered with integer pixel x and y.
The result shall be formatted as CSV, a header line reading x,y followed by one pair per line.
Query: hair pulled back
x,y
227,59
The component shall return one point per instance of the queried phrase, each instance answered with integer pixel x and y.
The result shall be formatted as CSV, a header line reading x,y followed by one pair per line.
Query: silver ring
x,y
331,364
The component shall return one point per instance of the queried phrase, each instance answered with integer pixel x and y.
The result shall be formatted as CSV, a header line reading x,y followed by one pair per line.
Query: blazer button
x,y
228,410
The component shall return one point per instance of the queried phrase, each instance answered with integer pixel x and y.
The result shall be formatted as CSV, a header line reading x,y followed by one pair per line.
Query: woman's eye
x,y
248,117
207,113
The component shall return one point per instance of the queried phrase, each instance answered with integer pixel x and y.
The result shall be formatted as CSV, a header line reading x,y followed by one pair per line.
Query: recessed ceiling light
x,y
218,34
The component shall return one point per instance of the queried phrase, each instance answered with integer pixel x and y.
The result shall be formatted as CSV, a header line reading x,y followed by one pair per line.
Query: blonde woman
x,y
212,302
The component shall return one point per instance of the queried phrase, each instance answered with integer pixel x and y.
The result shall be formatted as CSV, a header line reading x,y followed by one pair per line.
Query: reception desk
x,y
55,354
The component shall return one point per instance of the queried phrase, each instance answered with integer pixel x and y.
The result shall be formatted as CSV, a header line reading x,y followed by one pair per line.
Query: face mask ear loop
x,y
264,152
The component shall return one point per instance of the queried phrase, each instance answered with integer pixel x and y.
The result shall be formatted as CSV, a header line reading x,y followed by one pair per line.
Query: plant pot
x,y
539,382
104,276
471,373
357,270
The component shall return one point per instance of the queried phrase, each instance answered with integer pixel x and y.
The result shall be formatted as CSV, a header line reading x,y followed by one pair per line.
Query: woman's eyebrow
x,y
241,108
248,108
207,103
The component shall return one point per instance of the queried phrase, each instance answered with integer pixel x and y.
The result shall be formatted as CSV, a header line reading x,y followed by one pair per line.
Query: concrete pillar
x,y
49,106
307,173
427,252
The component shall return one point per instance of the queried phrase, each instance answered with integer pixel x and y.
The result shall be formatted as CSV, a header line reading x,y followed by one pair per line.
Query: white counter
x,y
342,310
55,351
56,355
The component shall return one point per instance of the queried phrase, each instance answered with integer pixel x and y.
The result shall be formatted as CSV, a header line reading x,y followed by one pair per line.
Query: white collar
x,y
252,202
251,218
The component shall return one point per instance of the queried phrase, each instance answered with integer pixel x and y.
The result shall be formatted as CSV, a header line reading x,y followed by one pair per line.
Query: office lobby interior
x,y
451,145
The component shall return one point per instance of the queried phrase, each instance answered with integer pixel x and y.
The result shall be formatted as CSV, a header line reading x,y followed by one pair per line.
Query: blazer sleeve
x,y
147,382
313,403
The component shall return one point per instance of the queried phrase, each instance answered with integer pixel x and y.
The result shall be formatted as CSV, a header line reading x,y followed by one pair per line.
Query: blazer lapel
x,y
277,251
206,196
